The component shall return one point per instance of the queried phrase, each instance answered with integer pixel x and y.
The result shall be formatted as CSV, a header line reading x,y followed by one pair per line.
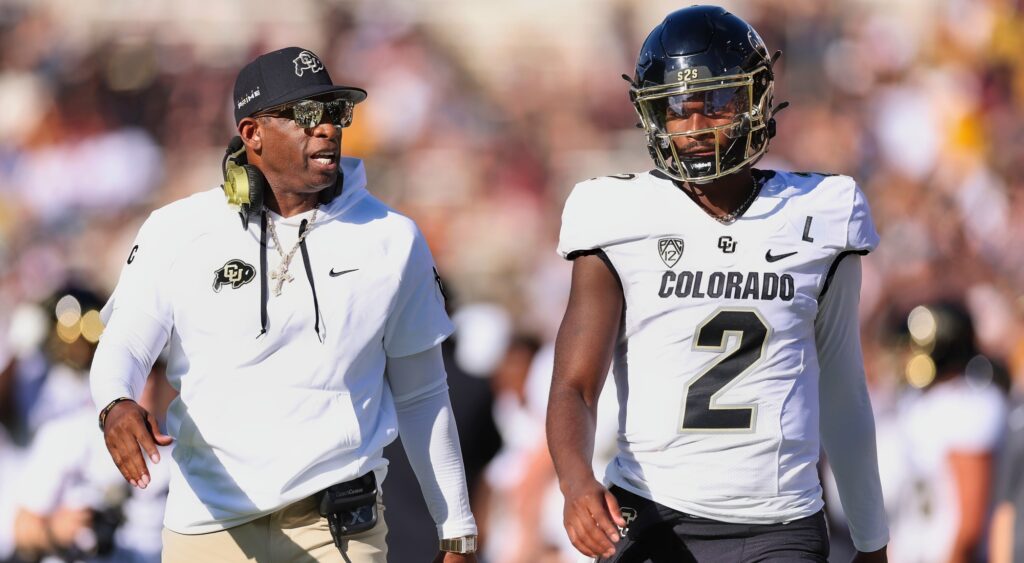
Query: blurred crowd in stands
x,y
480,118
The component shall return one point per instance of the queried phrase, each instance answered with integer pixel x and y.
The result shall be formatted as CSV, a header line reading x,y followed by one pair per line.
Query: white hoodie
x,y
266,419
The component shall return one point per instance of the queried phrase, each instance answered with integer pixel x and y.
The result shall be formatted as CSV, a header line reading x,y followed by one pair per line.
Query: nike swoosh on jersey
x,y
775,258
336,274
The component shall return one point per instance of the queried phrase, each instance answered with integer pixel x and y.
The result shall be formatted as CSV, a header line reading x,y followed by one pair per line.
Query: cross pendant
x,y
281,277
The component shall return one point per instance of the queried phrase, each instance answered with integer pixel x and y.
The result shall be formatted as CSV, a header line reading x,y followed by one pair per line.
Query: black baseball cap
x,y
283,76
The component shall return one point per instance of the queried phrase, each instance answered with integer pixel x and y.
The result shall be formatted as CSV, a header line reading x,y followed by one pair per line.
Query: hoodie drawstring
x,y
264,292
309,276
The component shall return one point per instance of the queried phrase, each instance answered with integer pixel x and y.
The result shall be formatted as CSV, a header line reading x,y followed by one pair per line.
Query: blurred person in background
x,y
73,504
514,490
1006,537
951,430
538,488
726,299
51,344
342,350
48,376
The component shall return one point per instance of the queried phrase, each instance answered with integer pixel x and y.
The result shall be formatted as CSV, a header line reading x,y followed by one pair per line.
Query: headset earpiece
x,y
243,185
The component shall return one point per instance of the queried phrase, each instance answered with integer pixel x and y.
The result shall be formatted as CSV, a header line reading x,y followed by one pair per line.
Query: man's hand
x,y
445,557
871,557
127,428
592,518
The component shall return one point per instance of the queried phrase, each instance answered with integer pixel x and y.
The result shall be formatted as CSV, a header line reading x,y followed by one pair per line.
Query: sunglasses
x,y
310,113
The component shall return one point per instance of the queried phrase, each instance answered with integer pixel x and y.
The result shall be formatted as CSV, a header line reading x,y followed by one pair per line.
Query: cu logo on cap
x,y
307,60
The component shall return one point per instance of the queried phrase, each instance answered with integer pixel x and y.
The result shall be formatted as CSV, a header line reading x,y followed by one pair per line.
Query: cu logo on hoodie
x,y
235,272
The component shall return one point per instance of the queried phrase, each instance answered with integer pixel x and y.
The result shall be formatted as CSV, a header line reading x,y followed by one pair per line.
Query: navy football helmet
x,y
705,60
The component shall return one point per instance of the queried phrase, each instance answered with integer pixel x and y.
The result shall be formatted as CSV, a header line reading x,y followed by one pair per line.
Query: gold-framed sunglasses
x,y
310,113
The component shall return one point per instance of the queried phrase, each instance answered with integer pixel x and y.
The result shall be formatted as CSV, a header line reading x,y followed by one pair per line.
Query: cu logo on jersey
x,y
670,250
307,61
727,245
235,273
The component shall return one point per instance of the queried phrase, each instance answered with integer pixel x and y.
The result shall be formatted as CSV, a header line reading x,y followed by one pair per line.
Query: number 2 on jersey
x,y
700,411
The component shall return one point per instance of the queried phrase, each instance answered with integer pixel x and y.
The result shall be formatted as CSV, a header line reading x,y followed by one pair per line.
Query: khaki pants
x,y
294,534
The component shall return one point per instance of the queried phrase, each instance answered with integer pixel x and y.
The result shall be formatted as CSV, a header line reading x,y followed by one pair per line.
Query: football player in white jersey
x,y
293,375
951,430
725,299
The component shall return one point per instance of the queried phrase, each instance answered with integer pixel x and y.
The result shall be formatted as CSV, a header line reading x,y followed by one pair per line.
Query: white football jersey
x,y
716,368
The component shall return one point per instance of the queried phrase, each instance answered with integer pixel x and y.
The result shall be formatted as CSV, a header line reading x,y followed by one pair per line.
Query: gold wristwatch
x,y
465,544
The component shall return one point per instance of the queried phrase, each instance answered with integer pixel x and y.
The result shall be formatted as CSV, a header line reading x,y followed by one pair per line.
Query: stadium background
x,y
480,118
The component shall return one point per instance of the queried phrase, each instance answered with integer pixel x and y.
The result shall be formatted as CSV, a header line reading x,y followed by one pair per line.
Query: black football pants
x,y
658,534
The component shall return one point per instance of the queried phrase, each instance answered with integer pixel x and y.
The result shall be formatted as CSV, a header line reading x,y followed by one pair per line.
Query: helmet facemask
x,y
744,99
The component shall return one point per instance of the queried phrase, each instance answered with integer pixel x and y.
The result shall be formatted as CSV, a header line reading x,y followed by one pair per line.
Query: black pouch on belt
x,y
350,507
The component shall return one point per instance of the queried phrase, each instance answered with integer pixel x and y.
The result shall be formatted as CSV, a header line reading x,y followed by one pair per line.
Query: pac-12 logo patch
x,y
235,272
670,250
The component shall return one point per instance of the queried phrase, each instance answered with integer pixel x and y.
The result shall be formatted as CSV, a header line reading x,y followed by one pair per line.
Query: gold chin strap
x,y
236,181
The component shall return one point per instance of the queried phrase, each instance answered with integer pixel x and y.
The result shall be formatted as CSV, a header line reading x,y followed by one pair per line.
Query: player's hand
x,y
129,431
871,557
592,518
65,523
445,557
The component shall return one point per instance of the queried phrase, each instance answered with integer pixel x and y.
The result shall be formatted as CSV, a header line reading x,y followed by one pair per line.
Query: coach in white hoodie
x,y
303,337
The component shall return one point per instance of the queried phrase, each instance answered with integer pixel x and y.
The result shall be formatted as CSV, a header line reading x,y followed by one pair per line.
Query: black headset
x,y
244,184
